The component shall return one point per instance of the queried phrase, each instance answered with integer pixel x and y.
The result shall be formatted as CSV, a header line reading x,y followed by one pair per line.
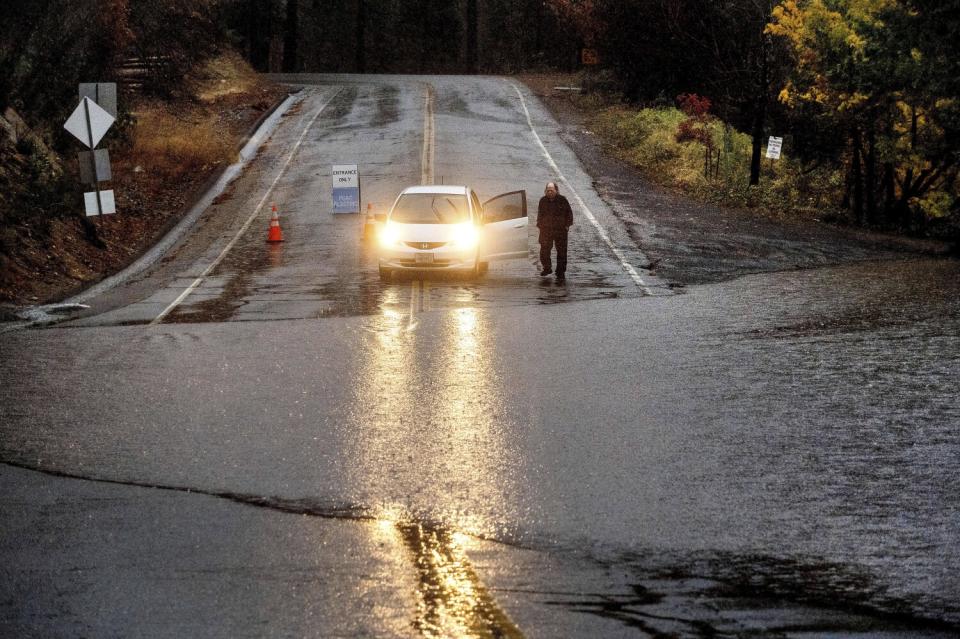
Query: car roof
x,y
445,189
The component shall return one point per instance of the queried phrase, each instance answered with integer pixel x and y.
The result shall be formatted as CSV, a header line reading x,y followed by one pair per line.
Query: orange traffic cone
x,y
275,234
369,223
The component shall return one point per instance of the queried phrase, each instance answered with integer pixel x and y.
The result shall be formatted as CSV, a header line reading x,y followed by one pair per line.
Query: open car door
x,y
504,227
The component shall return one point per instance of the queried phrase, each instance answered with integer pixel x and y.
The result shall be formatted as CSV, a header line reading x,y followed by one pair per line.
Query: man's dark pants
x,y
549,238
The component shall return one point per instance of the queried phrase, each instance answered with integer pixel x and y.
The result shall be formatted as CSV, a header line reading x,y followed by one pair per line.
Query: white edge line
x,y
632,272
243,229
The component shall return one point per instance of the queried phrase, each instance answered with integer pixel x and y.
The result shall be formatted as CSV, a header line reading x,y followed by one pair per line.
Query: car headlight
x,y
465,236
389,235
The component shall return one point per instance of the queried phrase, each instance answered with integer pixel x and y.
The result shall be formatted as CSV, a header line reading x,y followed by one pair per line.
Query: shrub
x,y
648,138
173,148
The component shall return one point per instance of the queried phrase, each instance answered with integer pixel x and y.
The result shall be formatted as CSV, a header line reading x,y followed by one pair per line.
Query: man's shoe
x,y
561,278
545,272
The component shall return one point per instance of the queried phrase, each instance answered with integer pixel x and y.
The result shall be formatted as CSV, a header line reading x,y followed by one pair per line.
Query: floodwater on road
x,y
793,433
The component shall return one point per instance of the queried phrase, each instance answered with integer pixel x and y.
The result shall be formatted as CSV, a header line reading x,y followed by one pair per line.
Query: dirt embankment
x,y
690,242
161,160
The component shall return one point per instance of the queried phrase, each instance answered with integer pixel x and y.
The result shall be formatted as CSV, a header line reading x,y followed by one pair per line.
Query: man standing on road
x,y
554,217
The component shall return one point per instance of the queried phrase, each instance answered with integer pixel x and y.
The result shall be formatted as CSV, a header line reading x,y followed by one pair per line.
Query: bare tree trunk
x,y
538,33
359,44
847,186
291,35
889,194
426,22
871,177
857,170
471,52
259,33
907,186
759,115
755,159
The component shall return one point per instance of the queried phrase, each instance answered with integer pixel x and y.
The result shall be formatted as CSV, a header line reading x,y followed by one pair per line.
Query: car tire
x,y
483,267
385,274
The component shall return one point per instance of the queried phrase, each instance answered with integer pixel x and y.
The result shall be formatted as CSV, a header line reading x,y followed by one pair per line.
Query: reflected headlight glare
x,y
465,236
389,235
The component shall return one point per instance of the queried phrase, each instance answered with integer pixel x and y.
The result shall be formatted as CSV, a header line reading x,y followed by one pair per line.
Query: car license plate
x,y
424,258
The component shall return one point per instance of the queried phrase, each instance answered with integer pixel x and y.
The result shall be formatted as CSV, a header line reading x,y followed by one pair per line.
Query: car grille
x,y
425,245
424,265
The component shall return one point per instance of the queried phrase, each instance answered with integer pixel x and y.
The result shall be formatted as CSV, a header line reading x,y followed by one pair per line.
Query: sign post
x,y
774,144
89,122
346,188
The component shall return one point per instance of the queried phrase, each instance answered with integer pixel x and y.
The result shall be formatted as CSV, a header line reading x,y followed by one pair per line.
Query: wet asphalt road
x,y
297,449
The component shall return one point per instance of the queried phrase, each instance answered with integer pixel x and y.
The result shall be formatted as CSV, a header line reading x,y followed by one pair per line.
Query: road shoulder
x,y
690,242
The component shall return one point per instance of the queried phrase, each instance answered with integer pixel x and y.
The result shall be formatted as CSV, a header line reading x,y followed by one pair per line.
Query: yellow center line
x,y
426,158
453,602
411,323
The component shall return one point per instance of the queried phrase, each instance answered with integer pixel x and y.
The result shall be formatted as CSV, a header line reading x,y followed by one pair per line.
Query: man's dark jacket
x,y
554,215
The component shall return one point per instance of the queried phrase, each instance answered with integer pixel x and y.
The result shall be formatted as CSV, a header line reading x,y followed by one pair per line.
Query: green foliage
x,y
936,204
881,76
869,92
647,139
34,186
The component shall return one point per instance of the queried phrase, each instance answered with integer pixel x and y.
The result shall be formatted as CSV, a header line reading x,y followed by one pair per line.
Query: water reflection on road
x,y
428,415
799,420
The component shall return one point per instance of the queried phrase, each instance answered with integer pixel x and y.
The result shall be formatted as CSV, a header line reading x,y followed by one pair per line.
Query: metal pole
x,y
93,159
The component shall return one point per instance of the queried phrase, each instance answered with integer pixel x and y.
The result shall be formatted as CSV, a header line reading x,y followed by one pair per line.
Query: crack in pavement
x,y
451,598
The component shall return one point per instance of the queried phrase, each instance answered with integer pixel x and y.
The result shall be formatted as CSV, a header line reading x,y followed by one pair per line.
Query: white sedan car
x,y
446,228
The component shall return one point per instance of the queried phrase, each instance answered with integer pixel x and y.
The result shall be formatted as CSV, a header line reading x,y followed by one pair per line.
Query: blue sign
x,y
346,200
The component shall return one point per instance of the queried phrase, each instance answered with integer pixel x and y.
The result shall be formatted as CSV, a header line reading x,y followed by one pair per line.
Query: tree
x,y
291,37
35,40
171,37
471,44
360,42
876,72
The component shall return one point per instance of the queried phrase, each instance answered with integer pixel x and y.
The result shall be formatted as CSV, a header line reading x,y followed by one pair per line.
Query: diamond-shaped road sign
x,y
89,123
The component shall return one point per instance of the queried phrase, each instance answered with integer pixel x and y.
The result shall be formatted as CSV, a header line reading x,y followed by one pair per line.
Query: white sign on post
x,y
345,176
103,93
773,148
107,204
89,130
95,169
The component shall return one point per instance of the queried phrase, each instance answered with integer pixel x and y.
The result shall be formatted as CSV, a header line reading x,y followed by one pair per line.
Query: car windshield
x,y
431,208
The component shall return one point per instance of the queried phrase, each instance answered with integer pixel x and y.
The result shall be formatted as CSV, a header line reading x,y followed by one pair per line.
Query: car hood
x,y
425,232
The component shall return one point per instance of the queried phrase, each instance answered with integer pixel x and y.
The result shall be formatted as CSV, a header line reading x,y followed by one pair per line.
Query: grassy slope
x,y
160,157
